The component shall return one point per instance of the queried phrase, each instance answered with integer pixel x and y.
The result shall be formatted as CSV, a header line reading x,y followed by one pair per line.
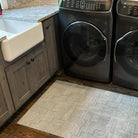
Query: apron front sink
x,y
21,36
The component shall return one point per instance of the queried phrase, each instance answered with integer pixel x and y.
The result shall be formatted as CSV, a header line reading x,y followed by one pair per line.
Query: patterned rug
x,y
76,111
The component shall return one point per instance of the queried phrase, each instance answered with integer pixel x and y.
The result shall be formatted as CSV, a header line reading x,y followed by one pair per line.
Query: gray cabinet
x,y
51,44
18,81
38,69
6,105
27,75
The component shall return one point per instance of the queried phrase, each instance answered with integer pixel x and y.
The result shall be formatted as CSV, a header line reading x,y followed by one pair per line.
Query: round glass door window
x,y
127,52
84,44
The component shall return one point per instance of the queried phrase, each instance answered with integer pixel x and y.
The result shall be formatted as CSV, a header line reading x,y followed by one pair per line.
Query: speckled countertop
x,y
30,14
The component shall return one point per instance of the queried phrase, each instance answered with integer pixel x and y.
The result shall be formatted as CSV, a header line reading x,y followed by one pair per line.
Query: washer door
x,y
126,52
84,43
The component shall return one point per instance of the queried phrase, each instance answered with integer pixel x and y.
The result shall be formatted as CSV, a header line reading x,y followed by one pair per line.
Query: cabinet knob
x,y
27,62
47,27
32,59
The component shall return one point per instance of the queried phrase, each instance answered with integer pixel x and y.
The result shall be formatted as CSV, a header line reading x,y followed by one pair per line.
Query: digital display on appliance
x,y
128,7
87,5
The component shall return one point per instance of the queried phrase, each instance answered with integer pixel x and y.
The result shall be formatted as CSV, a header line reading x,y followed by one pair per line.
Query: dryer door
x,y
84,44
126,52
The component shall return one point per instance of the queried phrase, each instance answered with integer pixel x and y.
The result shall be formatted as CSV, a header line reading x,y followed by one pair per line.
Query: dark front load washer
x,y
125,68
86,32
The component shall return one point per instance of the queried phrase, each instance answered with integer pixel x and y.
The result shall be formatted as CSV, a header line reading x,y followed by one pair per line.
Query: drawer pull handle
x,y
47,27
32,59
27,62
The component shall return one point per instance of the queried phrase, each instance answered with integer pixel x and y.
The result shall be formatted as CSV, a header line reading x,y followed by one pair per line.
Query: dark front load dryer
x,y
86,32
125,68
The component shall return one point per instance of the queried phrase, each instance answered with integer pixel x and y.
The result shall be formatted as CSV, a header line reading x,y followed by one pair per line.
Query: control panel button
x,y
128,9
86,5
82,4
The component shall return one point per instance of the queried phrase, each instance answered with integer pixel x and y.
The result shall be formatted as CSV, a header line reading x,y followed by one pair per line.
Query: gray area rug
x,y
75,111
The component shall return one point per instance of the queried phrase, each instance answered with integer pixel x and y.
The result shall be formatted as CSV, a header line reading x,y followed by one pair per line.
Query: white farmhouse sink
x,y
21,36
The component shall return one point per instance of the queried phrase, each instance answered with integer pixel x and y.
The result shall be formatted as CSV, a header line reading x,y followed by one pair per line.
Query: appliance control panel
x,y
86,5
128,8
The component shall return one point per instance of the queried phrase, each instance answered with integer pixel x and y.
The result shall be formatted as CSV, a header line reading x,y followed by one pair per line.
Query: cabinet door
x,y
6,104
49,31
4,109
4,113
18,81
38,69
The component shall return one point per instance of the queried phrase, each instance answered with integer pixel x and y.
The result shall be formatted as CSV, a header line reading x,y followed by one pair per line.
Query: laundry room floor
x,y
12,129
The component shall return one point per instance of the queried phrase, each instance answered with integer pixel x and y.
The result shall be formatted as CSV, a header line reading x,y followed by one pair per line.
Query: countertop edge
x,y
48,16
2,38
